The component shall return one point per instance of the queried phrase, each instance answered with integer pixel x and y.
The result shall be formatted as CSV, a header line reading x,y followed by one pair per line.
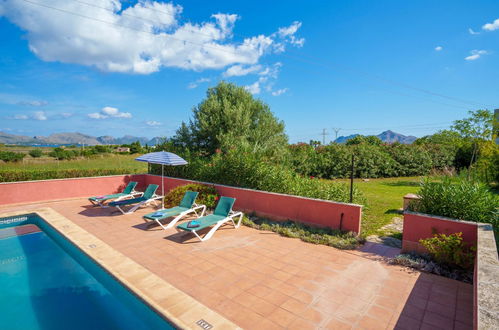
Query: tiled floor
x,y
260,280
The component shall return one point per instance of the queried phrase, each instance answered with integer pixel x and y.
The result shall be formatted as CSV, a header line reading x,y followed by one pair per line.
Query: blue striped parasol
x,y
162,158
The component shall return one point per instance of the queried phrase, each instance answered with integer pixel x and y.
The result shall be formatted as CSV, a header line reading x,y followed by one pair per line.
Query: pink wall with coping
x,y
271,205
419,226
283,207
44,190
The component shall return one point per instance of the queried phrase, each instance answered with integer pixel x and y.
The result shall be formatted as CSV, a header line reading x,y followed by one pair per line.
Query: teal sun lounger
x,y
187,205
223,213
128,192
148,197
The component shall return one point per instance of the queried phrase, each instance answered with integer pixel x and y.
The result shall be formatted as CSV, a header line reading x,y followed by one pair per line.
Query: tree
x,y
477,128
135,147
371,139
230,117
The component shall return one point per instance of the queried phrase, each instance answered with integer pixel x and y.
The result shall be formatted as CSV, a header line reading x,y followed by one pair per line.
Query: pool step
x,y
18,231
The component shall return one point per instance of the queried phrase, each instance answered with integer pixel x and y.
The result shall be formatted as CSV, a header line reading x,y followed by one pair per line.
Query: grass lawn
x,y
104,161
384,199
50,168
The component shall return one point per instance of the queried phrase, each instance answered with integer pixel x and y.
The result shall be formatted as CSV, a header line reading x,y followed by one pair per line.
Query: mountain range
x,y
386,136
73,138
79,138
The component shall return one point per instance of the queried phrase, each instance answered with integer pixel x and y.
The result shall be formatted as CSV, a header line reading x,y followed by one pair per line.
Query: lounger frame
x,y
217,225
132,194
154,199
195,209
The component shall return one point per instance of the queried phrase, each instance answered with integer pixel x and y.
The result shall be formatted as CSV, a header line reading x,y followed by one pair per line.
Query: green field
x,y
104,161
384,200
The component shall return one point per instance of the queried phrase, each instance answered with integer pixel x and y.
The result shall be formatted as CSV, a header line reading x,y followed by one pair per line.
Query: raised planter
x,y
419,226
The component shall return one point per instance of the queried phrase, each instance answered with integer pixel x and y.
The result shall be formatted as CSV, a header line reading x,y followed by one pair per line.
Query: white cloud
x,y
267,79
287,34
153,123
253,88
196,83
109,112
470,30
66,114
141,39
475,55
96,115
491,26
240,70
39,115
33,103
438,48
279,92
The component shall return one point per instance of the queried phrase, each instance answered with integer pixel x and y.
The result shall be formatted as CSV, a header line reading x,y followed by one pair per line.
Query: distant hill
x,y
73,138
386,136
344,139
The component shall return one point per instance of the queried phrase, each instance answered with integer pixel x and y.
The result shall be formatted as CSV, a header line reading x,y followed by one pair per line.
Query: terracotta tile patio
x,y
260,280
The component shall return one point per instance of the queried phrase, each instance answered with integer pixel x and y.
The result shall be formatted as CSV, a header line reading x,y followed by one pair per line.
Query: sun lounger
x,y
128,192
148,197
186,206
223,213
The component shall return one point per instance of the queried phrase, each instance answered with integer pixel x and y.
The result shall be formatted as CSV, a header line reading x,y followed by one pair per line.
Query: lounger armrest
x,y
135,192
196,207
233,214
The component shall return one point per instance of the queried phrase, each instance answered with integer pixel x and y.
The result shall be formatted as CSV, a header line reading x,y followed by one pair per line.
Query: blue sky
x,y
362,66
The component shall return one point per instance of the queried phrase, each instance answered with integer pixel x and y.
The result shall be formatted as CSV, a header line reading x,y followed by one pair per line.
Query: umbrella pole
x,y
162,186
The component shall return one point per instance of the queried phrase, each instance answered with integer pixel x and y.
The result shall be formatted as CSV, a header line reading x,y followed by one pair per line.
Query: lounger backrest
x,y
130,187
224,206
151,189
189,199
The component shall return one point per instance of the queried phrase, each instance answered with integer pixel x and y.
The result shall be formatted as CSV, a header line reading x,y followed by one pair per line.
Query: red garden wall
x,y
275,206
44,190
284,207
419,226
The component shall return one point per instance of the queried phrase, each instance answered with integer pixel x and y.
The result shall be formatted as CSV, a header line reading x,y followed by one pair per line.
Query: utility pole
x,y
336,131
324,133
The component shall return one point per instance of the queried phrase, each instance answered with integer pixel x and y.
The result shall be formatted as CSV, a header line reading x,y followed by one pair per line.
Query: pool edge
x,y
171,303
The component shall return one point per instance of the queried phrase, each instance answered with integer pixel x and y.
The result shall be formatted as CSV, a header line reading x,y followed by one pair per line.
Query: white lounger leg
x,y
219,224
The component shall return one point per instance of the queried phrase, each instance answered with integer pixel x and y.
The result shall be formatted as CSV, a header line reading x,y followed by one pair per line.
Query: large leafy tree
x,y
230,117
477,128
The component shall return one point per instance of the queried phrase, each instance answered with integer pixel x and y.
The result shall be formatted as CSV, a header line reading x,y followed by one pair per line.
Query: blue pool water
x,y
46,282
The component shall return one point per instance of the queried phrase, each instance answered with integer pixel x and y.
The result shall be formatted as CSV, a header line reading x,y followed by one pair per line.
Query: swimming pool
x,y
47,282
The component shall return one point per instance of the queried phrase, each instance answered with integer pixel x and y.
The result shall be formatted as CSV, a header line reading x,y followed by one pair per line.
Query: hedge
x,y
29,175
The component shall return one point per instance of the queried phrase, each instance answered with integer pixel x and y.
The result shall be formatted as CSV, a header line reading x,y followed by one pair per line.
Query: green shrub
x,y
324,236
463,200
449,250
9,156
35,153
246,170
63,154
410,160
208,195
29,175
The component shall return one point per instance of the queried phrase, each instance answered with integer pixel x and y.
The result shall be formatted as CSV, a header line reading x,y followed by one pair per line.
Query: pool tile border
x,y
174,305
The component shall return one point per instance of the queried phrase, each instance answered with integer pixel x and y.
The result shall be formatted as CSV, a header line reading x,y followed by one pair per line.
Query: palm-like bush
x,y
463,200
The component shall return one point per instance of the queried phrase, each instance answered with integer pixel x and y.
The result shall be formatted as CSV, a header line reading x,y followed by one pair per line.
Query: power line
x,y
314,62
